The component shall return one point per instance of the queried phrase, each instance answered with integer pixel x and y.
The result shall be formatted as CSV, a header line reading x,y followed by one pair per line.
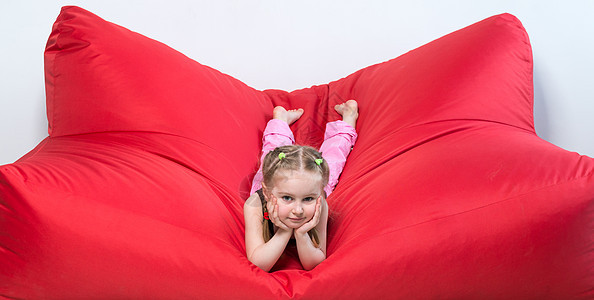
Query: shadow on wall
x,y
41,123
541,113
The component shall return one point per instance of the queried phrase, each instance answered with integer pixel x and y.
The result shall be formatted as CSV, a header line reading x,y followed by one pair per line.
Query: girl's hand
x,y
272,206
314,220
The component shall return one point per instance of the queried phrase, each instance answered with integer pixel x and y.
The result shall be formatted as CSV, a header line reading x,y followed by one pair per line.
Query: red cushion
x,y
448,193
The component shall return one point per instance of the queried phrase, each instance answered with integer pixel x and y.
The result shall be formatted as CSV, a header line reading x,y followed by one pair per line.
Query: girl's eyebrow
x,y
312,195
284,193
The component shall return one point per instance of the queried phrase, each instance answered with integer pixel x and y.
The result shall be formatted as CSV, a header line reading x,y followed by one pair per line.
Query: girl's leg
x,y
338,142
276,134
339,139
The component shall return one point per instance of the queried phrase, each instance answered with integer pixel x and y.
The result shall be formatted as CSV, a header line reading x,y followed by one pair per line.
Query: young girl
x,y
289,191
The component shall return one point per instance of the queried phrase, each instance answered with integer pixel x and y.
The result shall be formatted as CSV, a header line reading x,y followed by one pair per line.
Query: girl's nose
x,y
298,209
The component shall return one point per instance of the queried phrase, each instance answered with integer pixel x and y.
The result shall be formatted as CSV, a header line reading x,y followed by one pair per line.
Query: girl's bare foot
x,y
349,112
289,116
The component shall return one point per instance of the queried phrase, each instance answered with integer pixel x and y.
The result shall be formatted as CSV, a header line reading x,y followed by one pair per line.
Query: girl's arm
x,y
309,255
262,254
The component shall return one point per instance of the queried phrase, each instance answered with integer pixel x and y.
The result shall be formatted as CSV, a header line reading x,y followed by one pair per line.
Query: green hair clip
x,y
281,156
319,161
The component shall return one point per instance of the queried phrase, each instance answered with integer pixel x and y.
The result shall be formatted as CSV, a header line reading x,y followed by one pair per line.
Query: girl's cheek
x,y
311,209
282,210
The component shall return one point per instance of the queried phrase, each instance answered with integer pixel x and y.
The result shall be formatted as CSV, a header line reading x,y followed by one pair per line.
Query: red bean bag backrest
x,y
448,193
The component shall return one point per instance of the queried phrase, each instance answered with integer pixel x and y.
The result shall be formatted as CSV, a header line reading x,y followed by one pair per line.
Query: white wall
x,y
295,44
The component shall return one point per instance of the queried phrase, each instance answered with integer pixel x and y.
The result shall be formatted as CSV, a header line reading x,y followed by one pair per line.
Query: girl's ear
x,y
266,191
264,188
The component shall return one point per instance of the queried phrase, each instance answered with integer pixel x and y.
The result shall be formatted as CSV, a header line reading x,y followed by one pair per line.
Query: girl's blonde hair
x,y
293,158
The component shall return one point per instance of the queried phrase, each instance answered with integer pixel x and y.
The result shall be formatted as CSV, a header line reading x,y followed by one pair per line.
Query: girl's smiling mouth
x,y
296,220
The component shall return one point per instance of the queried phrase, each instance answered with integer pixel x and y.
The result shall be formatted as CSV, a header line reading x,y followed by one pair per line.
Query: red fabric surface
x,y
448,193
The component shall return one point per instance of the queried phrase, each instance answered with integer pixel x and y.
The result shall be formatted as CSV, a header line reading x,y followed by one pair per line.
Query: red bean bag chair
x,y
448,193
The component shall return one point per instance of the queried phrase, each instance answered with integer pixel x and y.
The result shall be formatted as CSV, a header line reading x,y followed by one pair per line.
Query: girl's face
x,y
296,192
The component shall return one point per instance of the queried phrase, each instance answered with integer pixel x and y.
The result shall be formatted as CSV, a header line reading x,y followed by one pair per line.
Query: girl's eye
x,y
308,199
287,198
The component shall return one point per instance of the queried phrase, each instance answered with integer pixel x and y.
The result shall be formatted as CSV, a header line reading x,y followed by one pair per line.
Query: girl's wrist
x,y
283,231
301,235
